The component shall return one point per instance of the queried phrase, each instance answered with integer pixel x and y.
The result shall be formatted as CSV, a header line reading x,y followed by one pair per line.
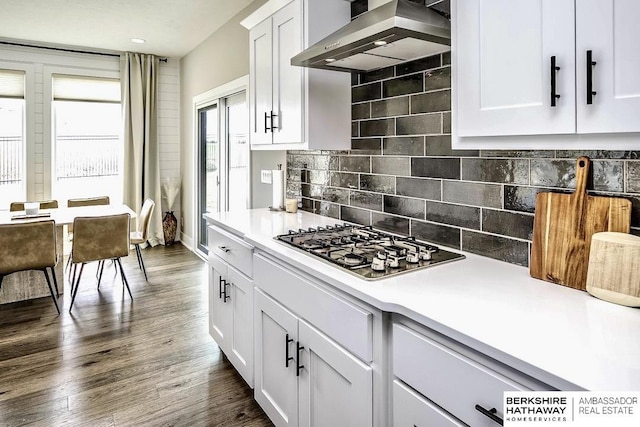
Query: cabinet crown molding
x,y
264,12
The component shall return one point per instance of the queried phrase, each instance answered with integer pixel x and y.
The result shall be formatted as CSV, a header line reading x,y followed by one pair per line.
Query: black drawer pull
x,y
221,286
590,64
286,352
266,117
225,295
554,70
299,348
490,413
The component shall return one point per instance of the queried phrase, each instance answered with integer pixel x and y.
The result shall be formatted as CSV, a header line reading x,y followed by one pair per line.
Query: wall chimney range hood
x,y
395,32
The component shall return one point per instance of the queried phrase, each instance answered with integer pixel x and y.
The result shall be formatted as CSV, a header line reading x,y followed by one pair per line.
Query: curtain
x,y
141,153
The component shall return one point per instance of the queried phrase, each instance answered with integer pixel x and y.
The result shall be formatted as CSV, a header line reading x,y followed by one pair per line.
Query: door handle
x,y
299,348
226,297
590,64
266,117
220,286
287,358
490,413
272,126
554,70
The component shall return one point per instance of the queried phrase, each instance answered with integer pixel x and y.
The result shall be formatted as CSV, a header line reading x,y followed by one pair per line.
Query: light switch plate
x,y
265,176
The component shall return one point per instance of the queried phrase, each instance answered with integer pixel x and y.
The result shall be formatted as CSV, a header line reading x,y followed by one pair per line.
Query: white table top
x,y
65,215
559,335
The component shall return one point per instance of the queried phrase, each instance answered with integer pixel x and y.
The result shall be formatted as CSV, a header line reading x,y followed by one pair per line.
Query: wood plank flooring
x,y
117,362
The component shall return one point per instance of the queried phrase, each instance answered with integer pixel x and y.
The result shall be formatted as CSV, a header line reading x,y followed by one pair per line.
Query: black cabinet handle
x,y
266,117
299,348
590,64
286,351
490,413
226,296
272,126
554,70
221,286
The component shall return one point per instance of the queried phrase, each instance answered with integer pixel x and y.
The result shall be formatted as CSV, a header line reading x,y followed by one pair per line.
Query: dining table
x,y
26,285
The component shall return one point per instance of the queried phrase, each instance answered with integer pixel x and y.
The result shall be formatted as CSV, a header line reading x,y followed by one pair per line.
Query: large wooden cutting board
x,y
562,229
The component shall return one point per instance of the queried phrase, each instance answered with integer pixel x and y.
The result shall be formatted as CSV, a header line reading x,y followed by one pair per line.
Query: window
x,y
12,141
87,138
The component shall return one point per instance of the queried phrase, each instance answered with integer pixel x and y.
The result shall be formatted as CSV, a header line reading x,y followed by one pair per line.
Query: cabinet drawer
x,y
344,322
449,379
231,249
412,410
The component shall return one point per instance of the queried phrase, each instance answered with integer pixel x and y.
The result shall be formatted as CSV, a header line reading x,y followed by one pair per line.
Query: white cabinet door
x,y
276,384
609,30
260,107
219,312
335,387
240,337
287,79
502,67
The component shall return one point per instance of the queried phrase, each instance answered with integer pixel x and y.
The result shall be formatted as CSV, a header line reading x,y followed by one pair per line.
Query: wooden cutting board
x,y
562,228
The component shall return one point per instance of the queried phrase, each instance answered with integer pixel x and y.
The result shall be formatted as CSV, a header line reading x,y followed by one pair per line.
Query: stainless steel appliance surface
x,y
366,252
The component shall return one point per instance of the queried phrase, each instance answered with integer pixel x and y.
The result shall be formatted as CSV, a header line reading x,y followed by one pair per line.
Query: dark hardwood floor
x,y
117,362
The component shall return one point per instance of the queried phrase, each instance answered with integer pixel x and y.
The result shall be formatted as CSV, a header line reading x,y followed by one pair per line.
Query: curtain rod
x,y
68,50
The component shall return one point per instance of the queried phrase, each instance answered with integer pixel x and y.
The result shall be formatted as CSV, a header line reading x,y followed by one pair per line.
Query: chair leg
x,y
99,272
138,255
124,278
55,280
141,262
76,286
53,296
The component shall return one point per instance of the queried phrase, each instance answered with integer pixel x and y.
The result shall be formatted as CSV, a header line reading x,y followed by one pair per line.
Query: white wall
x,y
221,58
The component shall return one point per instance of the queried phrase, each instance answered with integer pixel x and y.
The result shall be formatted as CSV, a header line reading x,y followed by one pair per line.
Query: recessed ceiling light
x,y
330,60
139,41
380,43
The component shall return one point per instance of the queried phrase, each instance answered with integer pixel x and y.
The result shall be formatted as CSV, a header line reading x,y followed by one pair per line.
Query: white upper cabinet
x,y
293,107
503,61
522,69
609,30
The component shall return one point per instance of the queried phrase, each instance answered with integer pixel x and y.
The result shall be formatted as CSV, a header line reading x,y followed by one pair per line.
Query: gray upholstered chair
x,y
99,238
140,236
29,246
44,204
90,201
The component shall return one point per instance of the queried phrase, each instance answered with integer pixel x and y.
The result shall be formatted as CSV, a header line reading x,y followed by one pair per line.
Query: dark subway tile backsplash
x,y
403,176
413,83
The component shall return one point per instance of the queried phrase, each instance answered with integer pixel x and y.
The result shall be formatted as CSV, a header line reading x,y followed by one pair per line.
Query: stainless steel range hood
x,y
396,32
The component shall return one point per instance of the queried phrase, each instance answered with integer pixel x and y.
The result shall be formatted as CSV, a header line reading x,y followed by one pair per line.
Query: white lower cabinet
x,y
469,386
410,409
303,378
231,303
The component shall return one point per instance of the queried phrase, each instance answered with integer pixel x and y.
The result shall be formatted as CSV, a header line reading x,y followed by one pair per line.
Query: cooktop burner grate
x,y
366,252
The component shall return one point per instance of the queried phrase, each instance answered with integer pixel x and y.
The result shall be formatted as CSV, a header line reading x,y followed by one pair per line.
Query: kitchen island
x,y
563,338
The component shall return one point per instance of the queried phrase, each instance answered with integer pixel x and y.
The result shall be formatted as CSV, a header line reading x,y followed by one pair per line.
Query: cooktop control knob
x,y
413,257
378,264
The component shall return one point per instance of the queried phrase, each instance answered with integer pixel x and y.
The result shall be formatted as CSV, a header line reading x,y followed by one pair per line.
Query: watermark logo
x,y
571,408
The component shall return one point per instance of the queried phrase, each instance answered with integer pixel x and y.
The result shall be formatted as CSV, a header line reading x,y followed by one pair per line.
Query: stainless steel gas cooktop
x,y
368,253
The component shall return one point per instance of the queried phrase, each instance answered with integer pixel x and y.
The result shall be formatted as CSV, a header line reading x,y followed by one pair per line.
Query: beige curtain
x,y
141,154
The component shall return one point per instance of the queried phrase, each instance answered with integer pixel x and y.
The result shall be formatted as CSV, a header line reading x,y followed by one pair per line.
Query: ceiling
x,y
171,28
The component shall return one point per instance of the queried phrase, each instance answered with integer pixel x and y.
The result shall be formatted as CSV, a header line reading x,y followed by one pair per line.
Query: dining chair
x,y
45,204
89,201
140,236
99,238
29,246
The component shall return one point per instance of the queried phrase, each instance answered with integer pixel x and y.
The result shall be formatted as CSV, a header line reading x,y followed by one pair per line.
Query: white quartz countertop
x,y
559,335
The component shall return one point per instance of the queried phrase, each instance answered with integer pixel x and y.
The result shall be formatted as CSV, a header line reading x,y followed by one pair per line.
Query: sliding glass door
x,y
223,159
